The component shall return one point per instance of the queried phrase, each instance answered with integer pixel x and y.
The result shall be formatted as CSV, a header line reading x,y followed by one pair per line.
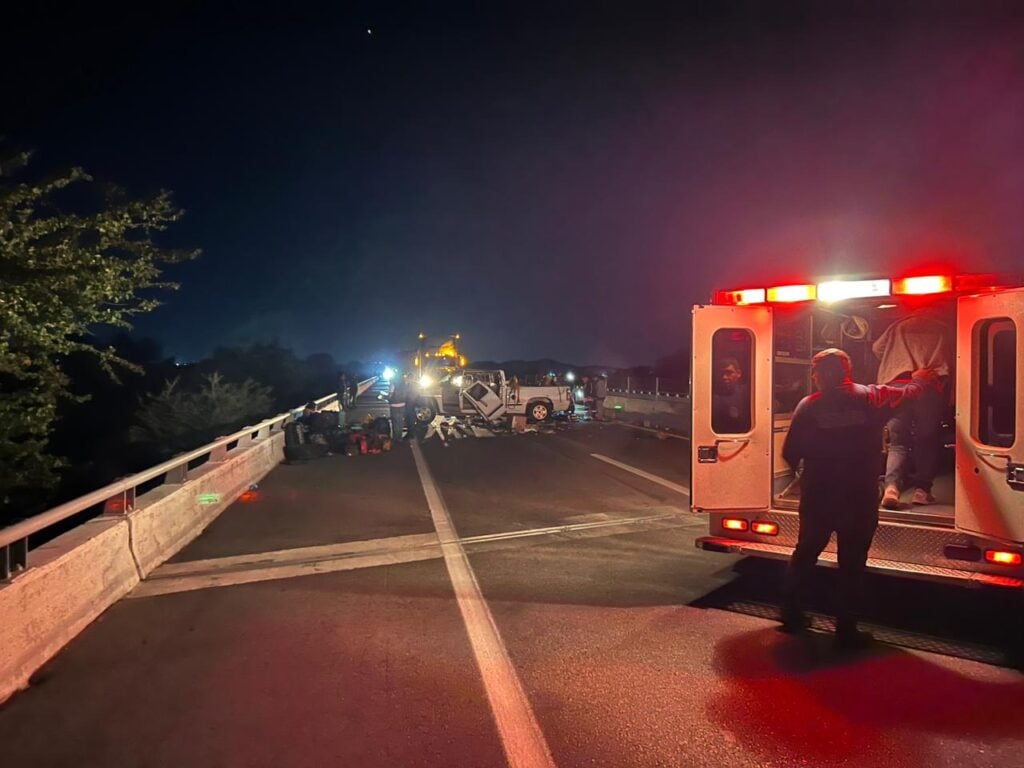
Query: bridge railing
x,y
657,386
118,498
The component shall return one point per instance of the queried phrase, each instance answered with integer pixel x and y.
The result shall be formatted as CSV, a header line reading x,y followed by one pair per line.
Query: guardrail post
x,y
219,453
177,475
13,558
627,384
657,386
121,504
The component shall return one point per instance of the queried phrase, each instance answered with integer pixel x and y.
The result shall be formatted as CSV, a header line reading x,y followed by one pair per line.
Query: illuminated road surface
x,y
512,600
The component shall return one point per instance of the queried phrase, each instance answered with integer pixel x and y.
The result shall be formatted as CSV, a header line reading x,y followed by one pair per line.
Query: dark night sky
x,y
550,184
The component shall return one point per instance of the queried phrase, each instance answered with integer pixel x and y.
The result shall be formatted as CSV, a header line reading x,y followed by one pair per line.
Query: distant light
x,y
580,392
457,381
570,377
369,31
389,373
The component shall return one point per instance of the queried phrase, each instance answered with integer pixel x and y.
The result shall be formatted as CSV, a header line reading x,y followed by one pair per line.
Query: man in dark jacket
x,y
837,434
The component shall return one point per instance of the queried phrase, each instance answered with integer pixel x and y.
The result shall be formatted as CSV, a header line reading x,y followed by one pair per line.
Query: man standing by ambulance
x,y
837,434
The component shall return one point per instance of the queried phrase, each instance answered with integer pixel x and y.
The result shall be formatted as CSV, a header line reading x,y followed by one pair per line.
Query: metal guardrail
x,y
119,497
658,386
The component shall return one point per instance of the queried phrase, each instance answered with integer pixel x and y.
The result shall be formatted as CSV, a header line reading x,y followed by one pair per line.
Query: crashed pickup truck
x,y
491,395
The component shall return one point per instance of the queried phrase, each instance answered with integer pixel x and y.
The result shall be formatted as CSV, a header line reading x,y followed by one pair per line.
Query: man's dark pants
x,y
854,522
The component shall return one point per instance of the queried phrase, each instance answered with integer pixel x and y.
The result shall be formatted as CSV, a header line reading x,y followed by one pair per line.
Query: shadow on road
x,y
983,624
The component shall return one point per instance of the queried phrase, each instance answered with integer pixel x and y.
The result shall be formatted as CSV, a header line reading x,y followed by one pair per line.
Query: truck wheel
x,y
539,411
424,412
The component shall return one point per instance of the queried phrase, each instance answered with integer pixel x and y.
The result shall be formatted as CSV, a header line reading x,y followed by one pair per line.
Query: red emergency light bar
x,y
787,294
919,286
741,297
840,290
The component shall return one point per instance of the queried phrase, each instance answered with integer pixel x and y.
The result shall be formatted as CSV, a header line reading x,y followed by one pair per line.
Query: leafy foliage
x,y
177,419
64,270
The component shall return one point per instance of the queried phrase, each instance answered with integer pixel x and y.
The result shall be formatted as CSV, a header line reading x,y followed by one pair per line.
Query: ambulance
x,y
765,337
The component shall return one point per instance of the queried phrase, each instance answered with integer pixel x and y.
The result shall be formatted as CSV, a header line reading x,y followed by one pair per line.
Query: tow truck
x,y
974,533
491,395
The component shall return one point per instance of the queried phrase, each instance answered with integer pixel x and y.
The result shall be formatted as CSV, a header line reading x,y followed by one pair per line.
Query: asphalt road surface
x,y
517,601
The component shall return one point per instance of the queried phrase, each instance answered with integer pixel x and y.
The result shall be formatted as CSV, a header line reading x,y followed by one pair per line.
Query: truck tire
x,y
538,410
424,412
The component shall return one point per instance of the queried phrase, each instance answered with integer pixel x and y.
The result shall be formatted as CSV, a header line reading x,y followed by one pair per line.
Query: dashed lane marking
x,y
521,736
646,475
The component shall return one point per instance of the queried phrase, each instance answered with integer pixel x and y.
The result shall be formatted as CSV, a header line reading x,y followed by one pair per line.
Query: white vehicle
x,y
490,395
974,533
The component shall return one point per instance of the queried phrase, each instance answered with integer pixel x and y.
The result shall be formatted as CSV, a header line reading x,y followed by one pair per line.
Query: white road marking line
x,y
294,556
521,736
193,575
672,435
228,578
646,475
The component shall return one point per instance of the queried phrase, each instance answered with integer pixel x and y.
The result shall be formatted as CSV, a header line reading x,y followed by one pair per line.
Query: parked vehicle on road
x,y
493,396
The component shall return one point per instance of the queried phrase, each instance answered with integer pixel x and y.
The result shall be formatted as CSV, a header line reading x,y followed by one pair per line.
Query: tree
x,y
177,419
72,258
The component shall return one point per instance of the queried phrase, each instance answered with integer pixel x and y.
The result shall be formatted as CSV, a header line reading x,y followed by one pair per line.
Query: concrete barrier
x,y
170,516
74,579
650,411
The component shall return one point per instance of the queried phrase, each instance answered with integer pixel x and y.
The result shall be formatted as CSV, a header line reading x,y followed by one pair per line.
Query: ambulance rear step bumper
x,y
926,572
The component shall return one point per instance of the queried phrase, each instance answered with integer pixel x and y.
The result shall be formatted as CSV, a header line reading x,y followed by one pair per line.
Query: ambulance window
x,y
997,383
732,357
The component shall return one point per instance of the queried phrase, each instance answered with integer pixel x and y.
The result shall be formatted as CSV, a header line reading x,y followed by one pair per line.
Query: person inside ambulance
x,y
918,341
730,398
836,433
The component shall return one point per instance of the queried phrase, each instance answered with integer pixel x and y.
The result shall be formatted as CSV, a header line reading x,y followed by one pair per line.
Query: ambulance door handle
x,y
741,441
993,455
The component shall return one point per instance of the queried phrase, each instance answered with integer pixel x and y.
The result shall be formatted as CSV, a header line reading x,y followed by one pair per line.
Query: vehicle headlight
x,y
426,381
457,381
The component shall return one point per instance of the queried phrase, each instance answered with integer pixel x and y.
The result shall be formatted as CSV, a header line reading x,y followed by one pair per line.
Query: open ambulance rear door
x,y
990,415
731,464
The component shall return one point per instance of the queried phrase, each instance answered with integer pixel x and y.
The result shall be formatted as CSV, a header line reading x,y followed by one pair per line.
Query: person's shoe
x,y
850,640
794,623
891,497
922,497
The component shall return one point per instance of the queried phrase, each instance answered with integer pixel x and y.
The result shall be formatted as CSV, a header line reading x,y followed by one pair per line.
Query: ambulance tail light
x,y
840,290
765,527
740,297
920,286
1002,557
735,524
792,293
